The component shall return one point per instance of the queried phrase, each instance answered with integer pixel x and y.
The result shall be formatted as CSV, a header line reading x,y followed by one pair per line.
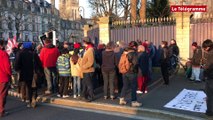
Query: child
x,y
76,73
63,66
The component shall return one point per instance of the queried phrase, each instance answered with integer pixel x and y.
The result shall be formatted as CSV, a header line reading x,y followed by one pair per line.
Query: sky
x,y
82,3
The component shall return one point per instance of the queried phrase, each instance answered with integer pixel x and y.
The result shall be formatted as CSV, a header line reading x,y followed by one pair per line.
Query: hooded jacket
x,y
109,61
49,55
63,65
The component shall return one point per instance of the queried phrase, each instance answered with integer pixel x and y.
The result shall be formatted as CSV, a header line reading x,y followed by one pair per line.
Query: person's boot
x,y
122,101
33,104
136,104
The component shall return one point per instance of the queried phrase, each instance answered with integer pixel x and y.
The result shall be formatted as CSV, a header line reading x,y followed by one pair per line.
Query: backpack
x,y
74,58
124,64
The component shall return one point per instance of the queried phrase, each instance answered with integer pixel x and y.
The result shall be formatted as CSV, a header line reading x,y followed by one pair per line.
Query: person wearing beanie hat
x,y
130,77
28,64
196,62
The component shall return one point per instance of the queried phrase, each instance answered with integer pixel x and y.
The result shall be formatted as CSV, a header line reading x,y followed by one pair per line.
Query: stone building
x,y
28,20
69,9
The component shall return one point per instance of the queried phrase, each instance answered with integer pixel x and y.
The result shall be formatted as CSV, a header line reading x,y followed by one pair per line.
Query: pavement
x,y
153,101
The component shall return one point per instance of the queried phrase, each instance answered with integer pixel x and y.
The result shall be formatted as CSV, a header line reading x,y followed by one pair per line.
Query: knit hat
x,y
77,45
27,45
194,44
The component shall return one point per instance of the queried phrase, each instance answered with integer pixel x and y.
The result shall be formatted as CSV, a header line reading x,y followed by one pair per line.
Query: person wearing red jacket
x,y
5,75
48,56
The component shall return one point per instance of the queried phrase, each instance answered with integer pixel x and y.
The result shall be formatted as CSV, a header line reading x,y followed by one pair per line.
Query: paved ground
x,y
19,111
159,96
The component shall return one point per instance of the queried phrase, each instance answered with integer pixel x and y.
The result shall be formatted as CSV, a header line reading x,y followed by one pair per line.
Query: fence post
x,y
104,29
183,33
86,29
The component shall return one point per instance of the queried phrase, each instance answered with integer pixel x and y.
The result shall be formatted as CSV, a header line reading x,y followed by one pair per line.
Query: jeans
x,y
87,91
195,73
64,82
109,79
51,78
77,85
3,94
129,79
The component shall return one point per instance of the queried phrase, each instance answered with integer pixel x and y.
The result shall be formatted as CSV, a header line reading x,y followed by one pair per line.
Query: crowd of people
x,y
75,71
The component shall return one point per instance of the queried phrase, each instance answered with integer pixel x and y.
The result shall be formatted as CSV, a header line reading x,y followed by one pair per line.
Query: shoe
x,y
139,92
122,101
28,105
112,97
145,91
4,114
48,92
33,104
209,113
105,97
65,96
58,95
22,100
74,96
136,104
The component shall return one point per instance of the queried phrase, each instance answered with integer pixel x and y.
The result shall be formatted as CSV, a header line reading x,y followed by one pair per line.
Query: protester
x,y
109,63
164,60
196,62
87,67
63,66
76,72
49,55
208,73
25,63
118,52
128,66
173,48
143,61
5,76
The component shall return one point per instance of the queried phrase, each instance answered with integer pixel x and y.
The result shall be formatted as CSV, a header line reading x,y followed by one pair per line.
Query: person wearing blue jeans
x,y
76,86
196,62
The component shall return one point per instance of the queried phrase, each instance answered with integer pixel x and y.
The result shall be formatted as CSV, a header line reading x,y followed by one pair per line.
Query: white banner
x,y
190,100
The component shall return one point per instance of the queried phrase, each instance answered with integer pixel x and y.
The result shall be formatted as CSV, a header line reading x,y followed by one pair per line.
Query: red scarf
x,y
89,46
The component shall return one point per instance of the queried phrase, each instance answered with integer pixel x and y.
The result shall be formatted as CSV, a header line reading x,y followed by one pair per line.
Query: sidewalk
x,y
153,102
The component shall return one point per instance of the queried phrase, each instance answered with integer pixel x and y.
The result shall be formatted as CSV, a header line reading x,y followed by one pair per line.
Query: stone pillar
x,y
183,33
104,30
86,29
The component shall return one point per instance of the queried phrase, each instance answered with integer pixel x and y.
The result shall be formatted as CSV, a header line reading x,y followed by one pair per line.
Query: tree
x,y
143,10
158,8
134,9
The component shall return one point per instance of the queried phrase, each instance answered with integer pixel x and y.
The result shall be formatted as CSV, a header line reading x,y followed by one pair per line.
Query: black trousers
x,y
209,93
64,83
87,85
165,72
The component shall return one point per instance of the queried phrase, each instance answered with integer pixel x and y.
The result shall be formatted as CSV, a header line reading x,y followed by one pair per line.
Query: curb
x,y
145,112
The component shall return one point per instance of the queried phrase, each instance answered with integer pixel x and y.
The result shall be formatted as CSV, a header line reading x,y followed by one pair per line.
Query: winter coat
x,y
133,59
208,61
88,60
173,50
49,55
164,56
109,61
143,62
5,68
76,69
26,64
63,65
197,56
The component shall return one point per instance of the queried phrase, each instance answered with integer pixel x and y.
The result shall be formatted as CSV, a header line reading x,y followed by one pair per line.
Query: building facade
x,y
28,20
69,9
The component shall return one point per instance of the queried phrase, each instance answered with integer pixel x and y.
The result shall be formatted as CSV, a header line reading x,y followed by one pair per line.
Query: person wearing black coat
x,y
27,64
143,61
208,74
164,60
